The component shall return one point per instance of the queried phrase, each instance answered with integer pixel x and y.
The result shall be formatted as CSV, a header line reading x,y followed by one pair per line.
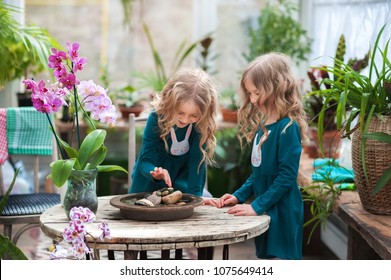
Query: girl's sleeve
x,y
148,157
289,151
197,172
246,190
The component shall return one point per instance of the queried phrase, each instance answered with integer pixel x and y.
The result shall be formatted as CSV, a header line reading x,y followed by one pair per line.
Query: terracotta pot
x,y
229,115
125,111
331,143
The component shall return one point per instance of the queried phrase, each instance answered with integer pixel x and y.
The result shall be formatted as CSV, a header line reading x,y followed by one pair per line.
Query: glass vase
x,y
81,190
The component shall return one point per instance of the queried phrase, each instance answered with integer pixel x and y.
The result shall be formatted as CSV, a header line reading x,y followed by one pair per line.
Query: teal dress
x,y
273,183
187,175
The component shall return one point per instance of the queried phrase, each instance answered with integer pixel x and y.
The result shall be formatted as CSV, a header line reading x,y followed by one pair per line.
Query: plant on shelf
x,y
330,180
229,104
365,98
129,100
279,31
157,78
24,49
313,102
205,57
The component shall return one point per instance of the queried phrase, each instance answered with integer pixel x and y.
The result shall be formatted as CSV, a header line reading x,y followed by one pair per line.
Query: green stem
x,y
76,116
56,137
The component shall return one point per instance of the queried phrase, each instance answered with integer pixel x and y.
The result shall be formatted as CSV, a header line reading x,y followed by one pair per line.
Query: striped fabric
x,y
28,131
3,136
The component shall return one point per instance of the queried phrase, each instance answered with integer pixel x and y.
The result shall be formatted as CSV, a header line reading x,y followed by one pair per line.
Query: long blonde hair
x,y
190,84
272,74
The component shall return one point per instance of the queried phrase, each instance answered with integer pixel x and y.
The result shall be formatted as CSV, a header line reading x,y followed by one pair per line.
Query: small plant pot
x,y
229,115
331,143
126,111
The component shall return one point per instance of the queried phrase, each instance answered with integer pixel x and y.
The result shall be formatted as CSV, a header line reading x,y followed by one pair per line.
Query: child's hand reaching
x,y
227,199
209,201
242,210
162,174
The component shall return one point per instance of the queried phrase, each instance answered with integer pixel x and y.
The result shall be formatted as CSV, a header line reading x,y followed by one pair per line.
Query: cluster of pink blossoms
x,y
50,98
75,233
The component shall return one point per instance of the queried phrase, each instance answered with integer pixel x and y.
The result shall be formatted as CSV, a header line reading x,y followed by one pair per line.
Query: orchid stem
x,y
77,116
56,137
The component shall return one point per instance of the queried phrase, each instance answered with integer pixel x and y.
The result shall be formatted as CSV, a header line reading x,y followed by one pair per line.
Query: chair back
x,y
26,132
132,147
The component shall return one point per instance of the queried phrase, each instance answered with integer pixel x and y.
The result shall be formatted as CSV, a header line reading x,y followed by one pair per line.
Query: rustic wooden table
x,y
369,235
206,228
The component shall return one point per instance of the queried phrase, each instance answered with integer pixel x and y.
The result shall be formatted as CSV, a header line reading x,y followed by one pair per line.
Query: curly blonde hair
x,y
196,85
272,74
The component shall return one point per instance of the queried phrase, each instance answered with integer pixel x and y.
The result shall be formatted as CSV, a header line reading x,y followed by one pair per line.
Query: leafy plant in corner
x,y
7,248
322,196
365,95
314,100
24,49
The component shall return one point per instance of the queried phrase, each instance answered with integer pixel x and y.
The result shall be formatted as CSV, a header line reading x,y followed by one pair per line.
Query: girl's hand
x,y
162,174
242,210
227,199
209,201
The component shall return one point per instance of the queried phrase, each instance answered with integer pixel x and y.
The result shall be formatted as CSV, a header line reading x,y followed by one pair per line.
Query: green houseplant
x,y
24,49
158,77
279,31
130,98
314,100
229,104
7,248
365,98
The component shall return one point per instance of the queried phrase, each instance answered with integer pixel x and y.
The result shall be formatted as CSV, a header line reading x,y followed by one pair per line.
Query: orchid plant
x,y
75,234
92,99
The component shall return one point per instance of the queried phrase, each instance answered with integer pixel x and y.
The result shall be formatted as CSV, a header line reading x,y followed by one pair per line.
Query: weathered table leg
x,y
205,253
130,255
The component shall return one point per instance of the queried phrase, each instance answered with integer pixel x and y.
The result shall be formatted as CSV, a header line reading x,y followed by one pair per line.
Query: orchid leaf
x,y
93,141
97,158
60,171
108,168
71,152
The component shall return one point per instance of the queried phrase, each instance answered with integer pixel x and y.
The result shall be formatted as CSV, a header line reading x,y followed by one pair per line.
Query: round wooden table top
x,y
207,227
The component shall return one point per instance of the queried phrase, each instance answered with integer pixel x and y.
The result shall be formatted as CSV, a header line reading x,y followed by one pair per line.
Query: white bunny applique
x,y
180,148
256,154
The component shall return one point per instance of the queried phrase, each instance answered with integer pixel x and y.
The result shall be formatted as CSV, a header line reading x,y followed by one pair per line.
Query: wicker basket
x,y
378,159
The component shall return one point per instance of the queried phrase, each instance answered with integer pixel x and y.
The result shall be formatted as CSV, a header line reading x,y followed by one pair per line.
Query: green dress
x,y
187,175
274,186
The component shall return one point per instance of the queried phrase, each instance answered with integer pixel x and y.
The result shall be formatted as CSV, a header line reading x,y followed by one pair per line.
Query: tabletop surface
x,y
208,226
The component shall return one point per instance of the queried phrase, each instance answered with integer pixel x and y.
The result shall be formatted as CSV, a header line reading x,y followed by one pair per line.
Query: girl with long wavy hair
x,y
272,120
179,137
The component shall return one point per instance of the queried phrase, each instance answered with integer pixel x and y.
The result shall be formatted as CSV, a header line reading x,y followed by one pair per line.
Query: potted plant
x,y
365,98
314,101
24,49
129,100
279,31
229,105
156,79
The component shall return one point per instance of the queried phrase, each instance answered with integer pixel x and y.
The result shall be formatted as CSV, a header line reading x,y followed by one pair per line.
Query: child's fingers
x,y
160,173
167,178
